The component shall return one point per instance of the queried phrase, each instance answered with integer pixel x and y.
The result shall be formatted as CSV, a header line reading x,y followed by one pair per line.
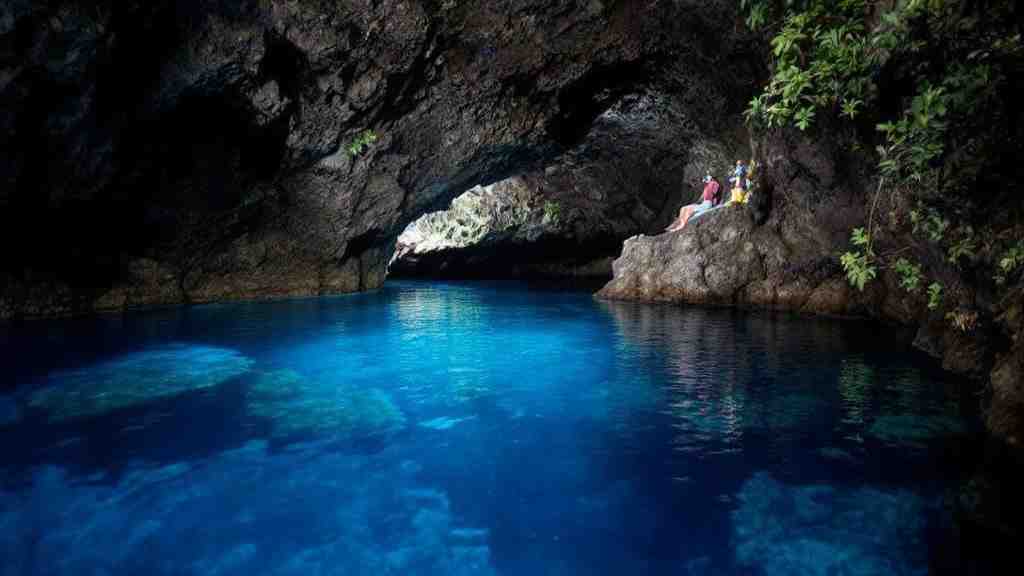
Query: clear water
x,y
472,429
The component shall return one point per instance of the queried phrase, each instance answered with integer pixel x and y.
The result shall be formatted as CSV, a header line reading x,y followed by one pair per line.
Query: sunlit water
x,y
473,429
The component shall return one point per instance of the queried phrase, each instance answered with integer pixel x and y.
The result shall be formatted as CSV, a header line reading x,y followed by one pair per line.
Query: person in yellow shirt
x,y
742,180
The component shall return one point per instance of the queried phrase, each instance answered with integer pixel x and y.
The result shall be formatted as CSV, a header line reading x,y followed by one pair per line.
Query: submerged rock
x,y
444,422
914,430
9,412
135,379
825,530
297,405
238,513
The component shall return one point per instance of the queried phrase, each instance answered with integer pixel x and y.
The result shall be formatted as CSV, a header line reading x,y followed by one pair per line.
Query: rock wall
x,y
166,152
777,251
780,251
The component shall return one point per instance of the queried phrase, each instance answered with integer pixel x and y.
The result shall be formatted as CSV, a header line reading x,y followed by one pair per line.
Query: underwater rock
x,y
783,530
856,381
838,455
9,412
434,547
913,411
444,422
914,430
297,405
239,513
135,379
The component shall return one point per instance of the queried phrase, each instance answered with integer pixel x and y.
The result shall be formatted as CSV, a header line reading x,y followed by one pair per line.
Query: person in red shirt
x,y
711,189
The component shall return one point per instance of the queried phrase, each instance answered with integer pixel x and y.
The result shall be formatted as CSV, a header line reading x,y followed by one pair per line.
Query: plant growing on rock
x,y
1010,263
552,212
932,77
963,320
909,273
859,263
364,139
934,295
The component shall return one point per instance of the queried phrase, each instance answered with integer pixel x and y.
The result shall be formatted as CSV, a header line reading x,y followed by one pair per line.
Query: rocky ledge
x,y
724,258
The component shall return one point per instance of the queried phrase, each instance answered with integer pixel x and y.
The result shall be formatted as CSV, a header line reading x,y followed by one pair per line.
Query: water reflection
x,y
733,374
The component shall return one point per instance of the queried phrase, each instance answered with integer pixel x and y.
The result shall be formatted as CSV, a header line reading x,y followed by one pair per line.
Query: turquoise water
x,y
486,428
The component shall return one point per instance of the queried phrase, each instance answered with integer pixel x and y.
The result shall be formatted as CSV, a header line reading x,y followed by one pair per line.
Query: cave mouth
x,y
507,230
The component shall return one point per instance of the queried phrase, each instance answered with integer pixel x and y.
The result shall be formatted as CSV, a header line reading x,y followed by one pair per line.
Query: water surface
x,y
484,428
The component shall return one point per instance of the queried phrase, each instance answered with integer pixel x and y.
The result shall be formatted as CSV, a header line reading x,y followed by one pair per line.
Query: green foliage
x,y
860,237
822,62
1009,263
965,246
859,269
364,139
859,264
910,274
934,295
914,141
953,60
552,212
929,223
757,13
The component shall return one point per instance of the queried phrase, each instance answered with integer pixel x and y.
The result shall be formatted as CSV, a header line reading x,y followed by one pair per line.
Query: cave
x,y
442,287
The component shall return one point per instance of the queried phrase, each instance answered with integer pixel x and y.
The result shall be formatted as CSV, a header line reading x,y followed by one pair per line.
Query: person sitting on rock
x,y
740,182
711,187
739,175
717,197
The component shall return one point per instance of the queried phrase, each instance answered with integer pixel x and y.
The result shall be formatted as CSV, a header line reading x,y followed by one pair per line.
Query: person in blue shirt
x,y
739,175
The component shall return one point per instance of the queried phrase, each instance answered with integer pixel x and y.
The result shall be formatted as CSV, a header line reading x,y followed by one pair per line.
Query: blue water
x,y
486,428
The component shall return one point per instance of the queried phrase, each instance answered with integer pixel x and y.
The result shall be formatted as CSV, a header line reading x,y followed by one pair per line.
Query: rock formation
x,y
780,251
640,160
202,150
777,251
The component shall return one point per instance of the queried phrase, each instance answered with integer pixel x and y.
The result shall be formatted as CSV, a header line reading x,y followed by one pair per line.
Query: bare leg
x,y
675,225
689,214
684,215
